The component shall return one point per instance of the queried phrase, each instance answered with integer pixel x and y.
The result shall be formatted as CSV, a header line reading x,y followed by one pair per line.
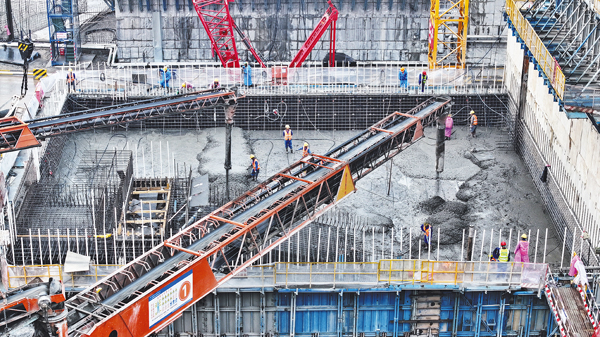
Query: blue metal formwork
x,y
374,312
378,312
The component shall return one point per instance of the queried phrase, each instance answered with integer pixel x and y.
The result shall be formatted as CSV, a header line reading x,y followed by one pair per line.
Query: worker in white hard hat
x,y
287,136
473,123
255,168
71,80
247,74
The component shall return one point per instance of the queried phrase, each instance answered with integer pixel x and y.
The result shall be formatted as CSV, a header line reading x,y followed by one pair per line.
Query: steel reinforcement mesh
x,y
323,112
551,194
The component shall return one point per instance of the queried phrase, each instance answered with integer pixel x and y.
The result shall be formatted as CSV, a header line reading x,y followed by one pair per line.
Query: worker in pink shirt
x,y
522,250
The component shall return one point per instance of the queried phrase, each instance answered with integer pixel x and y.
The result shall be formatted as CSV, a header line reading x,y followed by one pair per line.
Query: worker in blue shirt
x,y
165,77
247,74
255,168
426,229
305,150
403,77
423,81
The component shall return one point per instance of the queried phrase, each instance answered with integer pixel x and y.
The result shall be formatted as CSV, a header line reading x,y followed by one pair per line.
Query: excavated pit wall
x,y
484,183
570,146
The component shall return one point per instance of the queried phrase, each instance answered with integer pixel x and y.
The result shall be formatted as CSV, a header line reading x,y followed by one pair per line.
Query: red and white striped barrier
x,y
587,308
558,320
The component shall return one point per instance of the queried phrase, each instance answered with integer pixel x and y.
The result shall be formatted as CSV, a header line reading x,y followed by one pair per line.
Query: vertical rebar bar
x,y
319,246
49,247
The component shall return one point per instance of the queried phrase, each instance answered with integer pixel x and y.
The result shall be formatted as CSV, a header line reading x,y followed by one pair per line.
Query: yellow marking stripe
x,y
39,73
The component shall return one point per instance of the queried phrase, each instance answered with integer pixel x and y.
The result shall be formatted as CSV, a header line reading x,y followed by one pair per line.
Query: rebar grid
x,y
550,191
310,112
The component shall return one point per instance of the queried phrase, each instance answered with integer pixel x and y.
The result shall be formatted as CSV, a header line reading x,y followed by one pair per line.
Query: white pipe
x,y
536,245
562,255
392,250
410,243
318,246
438,246
462,246
545,243
482,242
473,250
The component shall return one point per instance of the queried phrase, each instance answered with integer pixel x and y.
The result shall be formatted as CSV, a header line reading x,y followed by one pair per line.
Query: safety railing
x,y
537,48
19,276
410,272
528,275
143,80
332,274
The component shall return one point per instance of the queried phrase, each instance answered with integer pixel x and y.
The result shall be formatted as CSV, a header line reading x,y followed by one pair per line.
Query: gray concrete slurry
x,y
483,185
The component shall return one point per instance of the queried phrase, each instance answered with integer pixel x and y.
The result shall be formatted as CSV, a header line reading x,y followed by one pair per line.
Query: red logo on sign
x,y
184,290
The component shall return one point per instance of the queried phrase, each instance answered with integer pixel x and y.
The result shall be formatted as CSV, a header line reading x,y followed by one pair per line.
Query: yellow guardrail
x,y
22,275
449,272
291,274
545,60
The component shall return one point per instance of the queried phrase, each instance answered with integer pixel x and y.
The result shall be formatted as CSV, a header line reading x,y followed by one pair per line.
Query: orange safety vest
x,y
288,134
70,77
255,164
474,119
304,151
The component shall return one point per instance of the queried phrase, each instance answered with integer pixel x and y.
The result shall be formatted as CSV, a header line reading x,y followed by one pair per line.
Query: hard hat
x,y
251,156
424,72
449,115
472,112
503,243
305,144
70,70
216,80
287,126
183,85
524,236
165,68
402,68
246,63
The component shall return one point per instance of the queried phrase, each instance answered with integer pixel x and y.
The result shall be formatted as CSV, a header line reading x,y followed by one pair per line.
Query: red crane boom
x,y
329,19
219,26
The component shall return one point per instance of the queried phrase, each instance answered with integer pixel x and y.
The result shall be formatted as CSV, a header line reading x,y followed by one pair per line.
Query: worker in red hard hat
x,y
501,254
423,80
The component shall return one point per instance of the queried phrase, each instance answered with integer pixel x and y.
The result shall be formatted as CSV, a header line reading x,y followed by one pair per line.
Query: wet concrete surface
x,y
483,185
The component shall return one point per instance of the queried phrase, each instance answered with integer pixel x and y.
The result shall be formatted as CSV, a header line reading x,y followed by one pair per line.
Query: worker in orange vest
x,y
287,136
473,123
71,80
426,229
305,150
255,168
